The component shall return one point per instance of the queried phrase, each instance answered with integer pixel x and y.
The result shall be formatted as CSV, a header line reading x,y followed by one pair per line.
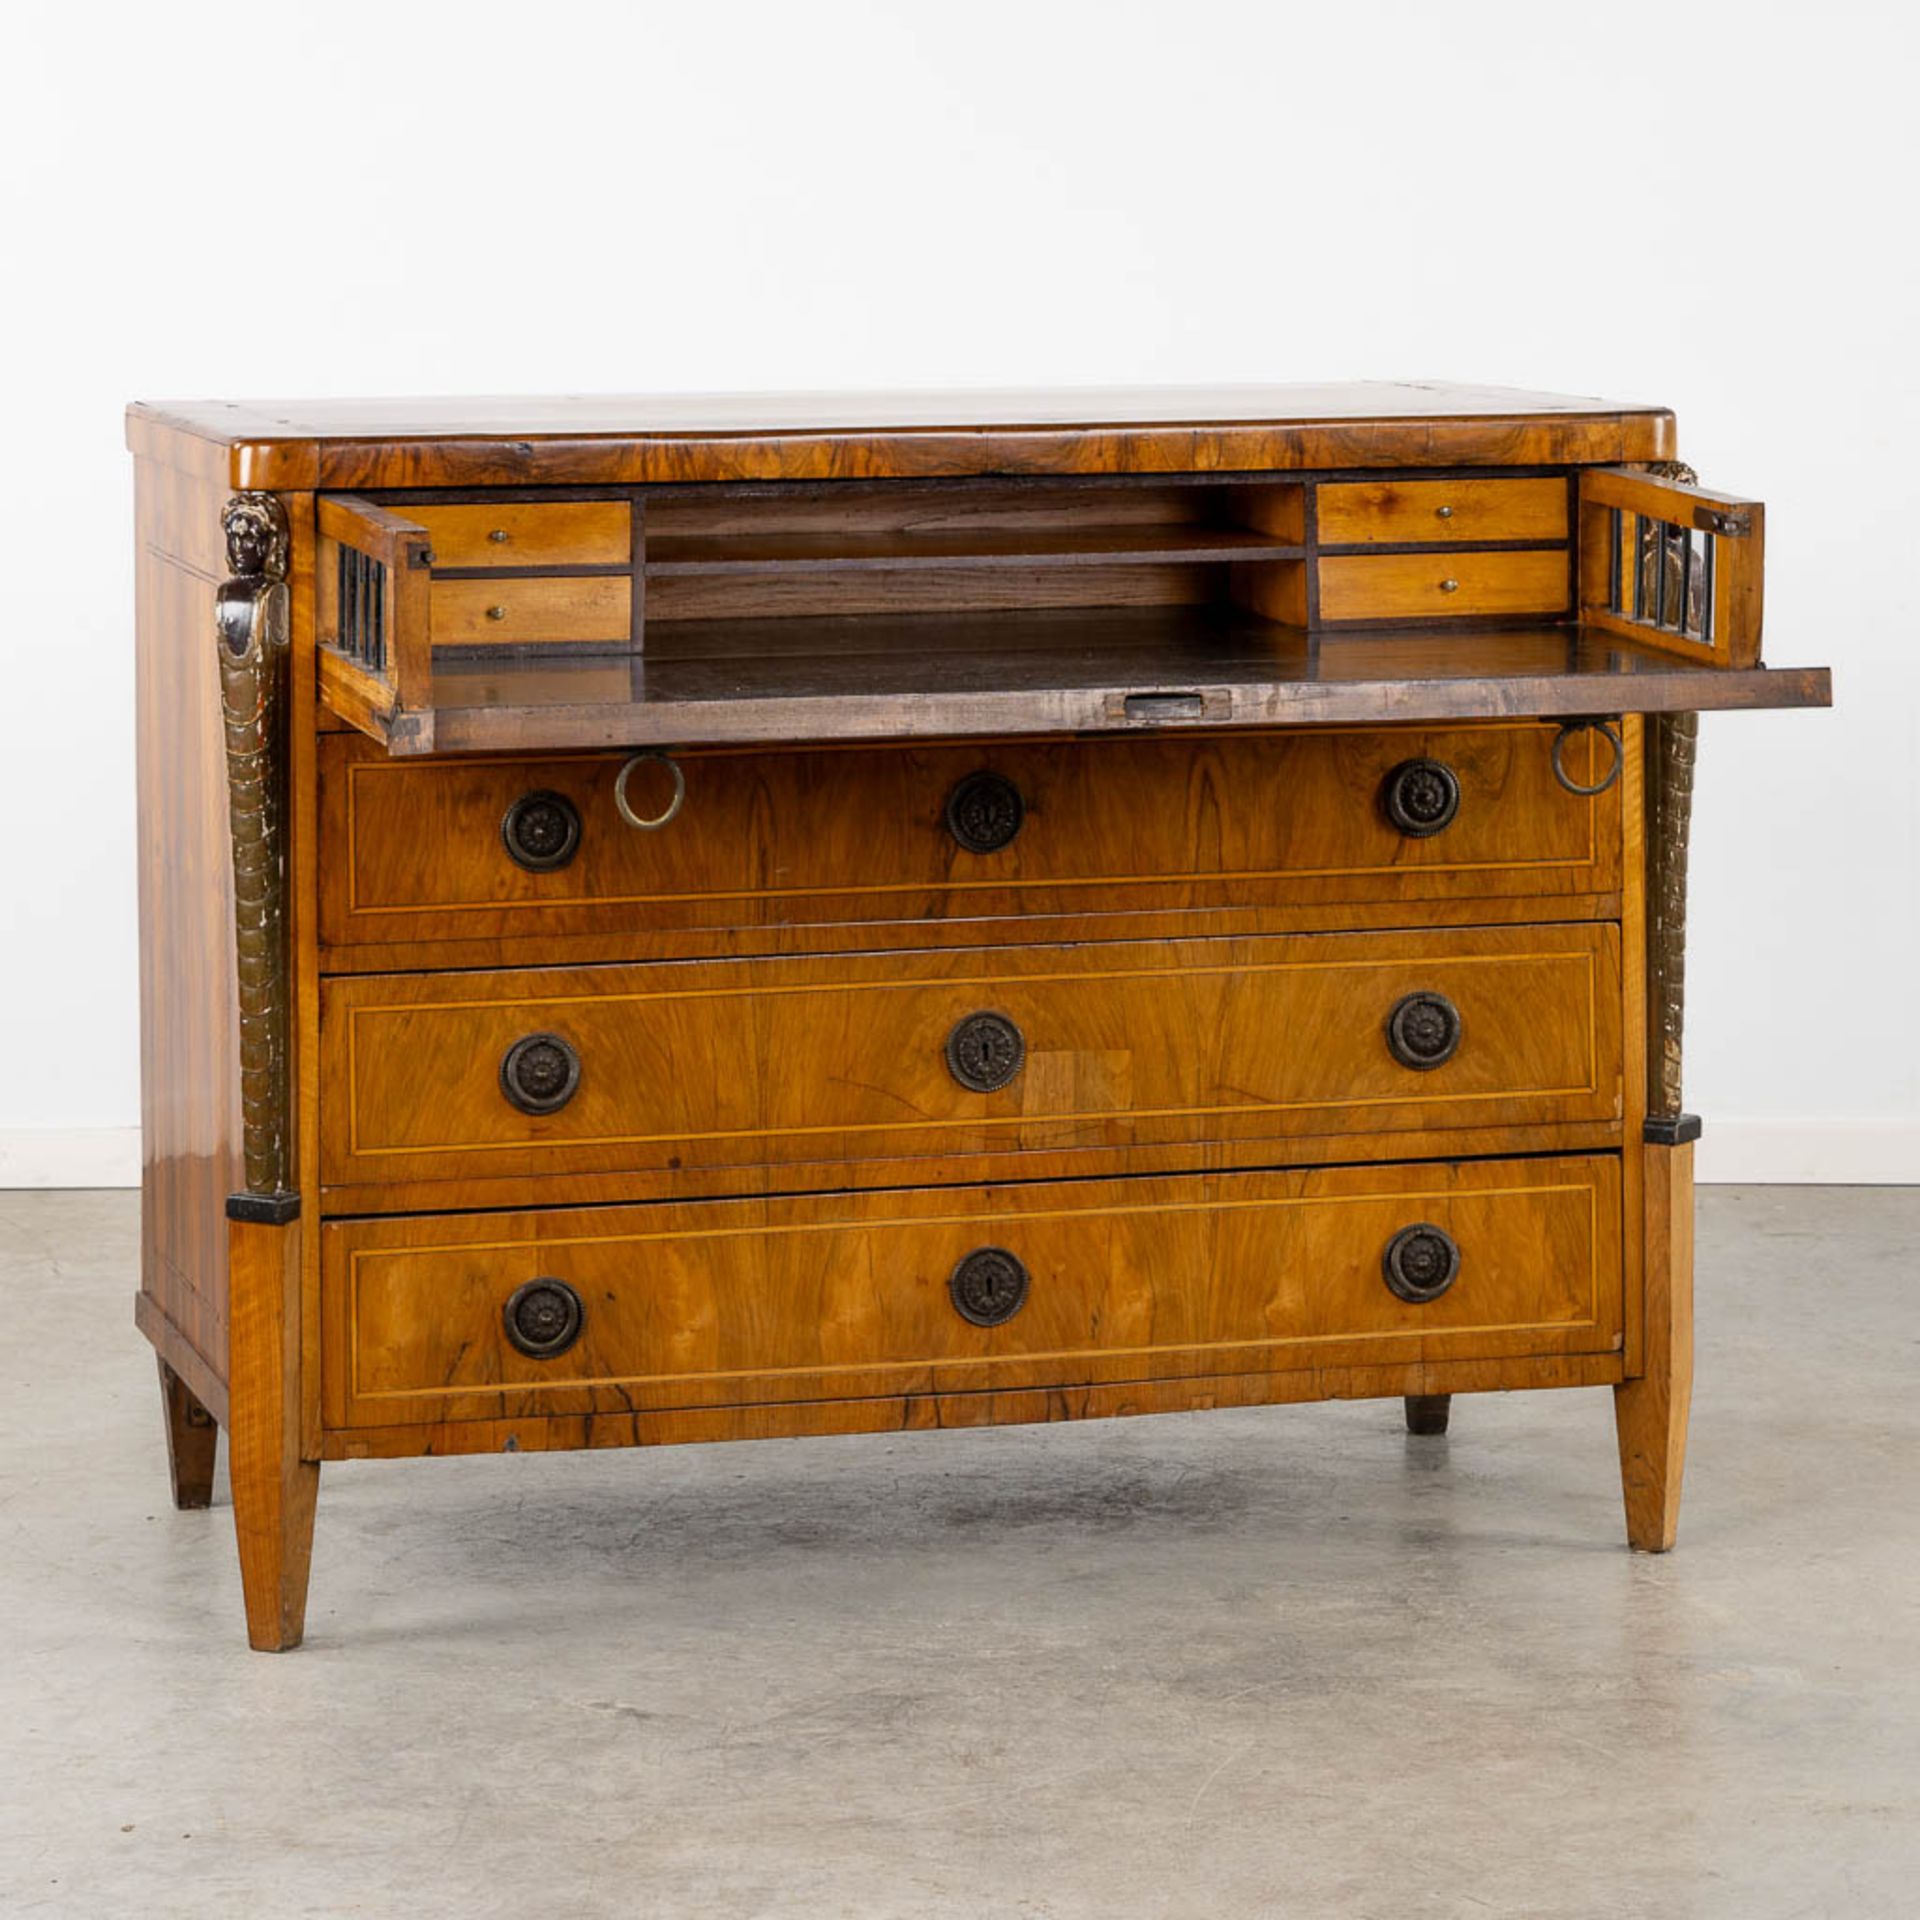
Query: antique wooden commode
x,y
700,918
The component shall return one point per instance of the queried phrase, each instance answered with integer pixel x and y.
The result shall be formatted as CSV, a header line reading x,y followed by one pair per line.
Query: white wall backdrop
x,y
1701,206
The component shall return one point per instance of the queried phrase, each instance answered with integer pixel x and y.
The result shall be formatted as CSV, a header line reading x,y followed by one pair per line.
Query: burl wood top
x,y
642,439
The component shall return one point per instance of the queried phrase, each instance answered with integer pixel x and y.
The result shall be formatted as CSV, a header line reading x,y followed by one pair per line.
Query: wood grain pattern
x,y
1651,1409
189,1020
1394,511
926,1412
274,1487
1105,670
777,841
485,613
846,1296
999,1160
766,1061
707,437
528,533
1415,586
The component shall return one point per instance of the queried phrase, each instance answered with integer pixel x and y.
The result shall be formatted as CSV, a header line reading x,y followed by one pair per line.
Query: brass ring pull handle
x,y
1567,730
659,820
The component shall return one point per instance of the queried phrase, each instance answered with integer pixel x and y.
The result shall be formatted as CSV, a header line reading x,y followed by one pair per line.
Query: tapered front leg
x,y
1650,1412
274,1489
193,1438
1427,1412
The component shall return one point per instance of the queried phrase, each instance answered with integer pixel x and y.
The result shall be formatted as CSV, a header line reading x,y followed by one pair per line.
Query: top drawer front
x,y
1423,512
417,851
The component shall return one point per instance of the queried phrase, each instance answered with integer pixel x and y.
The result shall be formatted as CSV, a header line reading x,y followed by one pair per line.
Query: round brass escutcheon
x,y
989,1286
984,812
1421,797
650,823
985,1051
1421,1262
540,1073
544,1318
1607,730
541,831
1423,1031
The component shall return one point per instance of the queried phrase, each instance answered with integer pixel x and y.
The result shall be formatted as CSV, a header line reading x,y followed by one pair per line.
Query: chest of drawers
x,y
691,919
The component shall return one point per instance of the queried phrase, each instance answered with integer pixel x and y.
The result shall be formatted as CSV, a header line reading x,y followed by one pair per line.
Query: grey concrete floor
x,y
1264,1662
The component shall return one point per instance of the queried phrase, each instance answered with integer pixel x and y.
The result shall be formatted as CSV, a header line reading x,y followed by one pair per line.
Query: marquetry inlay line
x,y
1002,982
1386,1196
360,1257
358,1143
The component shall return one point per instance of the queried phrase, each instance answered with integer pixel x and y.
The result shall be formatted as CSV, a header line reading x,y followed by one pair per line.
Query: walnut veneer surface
x,y
727,917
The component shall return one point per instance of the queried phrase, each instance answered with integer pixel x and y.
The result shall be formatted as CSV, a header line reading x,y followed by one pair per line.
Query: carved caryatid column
x,y
253,624
1671,739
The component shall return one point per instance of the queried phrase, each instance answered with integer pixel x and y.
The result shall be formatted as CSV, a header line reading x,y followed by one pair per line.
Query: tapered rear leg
x,y
1650,1412
192,1439
1427,1412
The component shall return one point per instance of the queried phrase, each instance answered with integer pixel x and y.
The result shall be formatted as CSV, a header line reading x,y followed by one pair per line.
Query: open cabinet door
x,y
1672,566
374,620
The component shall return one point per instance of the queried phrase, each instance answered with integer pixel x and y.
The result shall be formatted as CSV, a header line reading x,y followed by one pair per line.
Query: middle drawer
x,y
750,1062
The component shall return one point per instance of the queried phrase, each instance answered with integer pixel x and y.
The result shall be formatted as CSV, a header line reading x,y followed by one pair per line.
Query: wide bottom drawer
x,y
981,1289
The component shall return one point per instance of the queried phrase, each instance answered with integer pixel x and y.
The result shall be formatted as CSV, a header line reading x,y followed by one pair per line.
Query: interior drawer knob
x,y
1421,797
989,1286
540,1073
1423,1031
984,812
985,1051
1443,513
496,613
499,536
544,1318
541,831
1449,586
1421,1263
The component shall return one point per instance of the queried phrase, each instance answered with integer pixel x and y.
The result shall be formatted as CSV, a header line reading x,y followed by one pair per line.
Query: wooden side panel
x,y
732,1303
189,1020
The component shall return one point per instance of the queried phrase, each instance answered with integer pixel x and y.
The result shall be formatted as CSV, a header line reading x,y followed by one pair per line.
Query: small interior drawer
x,y
1421,512
1443,586
959,1289
584,608
529,533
